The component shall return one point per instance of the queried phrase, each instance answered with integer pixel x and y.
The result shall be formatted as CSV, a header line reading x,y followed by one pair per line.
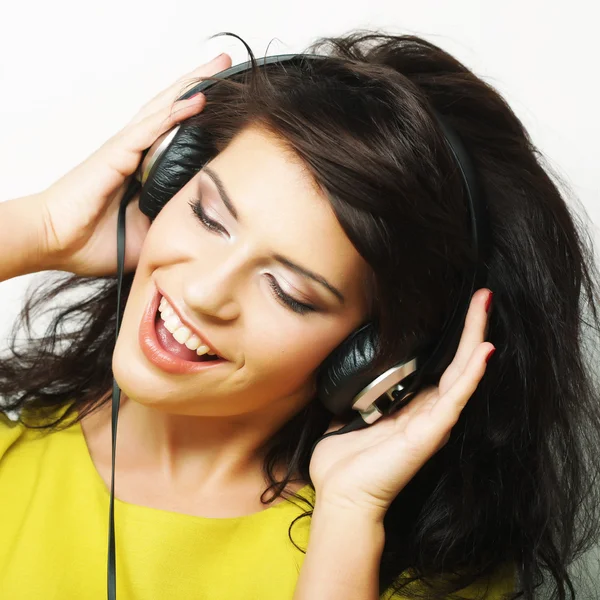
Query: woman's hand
x,y
364,470
79,211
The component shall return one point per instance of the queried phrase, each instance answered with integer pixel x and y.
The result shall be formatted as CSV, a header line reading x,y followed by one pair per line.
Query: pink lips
x,y
156,354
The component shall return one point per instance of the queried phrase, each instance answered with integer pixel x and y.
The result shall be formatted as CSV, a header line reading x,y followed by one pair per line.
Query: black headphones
x,y
346,380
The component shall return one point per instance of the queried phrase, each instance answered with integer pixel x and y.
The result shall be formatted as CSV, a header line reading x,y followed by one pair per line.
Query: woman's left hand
x,y
365,469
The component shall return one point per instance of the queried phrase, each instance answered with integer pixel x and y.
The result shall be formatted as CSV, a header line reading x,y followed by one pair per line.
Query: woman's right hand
x,y
79,211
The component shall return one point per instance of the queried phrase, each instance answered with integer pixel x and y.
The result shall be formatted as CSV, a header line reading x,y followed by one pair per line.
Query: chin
x,y
141,382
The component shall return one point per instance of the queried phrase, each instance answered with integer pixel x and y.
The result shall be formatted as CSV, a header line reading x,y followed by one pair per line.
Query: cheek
x,y
285,349
293,350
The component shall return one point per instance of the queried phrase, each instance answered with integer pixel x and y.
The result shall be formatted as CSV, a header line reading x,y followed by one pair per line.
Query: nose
x,y
212,285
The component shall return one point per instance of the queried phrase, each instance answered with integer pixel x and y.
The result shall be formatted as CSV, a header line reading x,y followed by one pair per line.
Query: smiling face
x,y
272,288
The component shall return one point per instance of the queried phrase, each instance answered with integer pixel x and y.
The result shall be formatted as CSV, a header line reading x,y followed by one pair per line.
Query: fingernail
x,y
489,301
487,358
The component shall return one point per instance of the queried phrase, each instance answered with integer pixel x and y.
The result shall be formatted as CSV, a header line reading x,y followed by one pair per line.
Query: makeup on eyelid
x,y
284,298
231,210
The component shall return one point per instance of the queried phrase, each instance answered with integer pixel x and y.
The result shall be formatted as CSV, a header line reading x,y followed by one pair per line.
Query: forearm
x,y
343,556
20,237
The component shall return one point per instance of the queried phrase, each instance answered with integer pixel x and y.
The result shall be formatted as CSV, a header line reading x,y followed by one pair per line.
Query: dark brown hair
x,y
516,482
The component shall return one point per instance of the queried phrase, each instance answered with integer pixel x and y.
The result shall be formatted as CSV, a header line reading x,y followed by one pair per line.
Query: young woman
x,y
330,200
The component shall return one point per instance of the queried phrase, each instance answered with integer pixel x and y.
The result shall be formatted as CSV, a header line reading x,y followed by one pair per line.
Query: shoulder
x,y
24,428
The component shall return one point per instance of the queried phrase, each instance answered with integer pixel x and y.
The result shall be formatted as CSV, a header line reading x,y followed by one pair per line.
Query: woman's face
x,y
219,278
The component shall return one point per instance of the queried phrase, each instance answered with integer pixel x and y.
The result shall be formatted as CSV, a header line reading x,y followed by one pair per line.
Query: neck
x,y
212,452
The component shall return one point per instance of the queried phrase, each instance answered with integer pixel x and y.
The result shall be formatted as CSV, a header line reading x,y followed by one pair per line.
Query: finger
x,y
487,321
170,94
220,62
176,89
474,331
124,150
447,409
216,65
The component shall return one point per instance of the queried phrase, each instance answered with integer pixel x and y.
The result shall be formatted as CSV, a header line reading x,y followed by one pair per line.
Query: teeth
x,y
182,334
192,342
172,323
179,331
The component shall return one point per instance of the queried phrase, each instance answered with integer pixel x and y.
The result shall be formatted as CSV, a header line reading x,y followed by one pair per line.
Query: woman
x,y
472,490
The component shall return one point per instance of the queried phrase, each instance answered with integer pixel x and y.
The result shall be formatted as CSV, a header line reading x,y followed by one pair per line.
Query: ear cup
x,y
347,370
190,149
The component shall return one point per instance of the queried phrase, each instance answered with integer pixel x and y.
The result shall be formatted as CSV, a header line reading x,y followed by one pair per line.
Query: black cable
x,y
116,392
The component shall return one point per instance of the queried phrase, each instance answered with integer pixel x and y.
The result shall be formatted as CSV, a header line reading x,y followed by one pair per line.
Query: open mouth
x,y
177,339
169,344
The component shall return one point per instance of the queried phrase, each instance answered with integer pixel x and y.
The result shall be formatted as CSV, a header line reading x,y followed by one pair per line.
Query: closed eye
x,y
212,225
196,205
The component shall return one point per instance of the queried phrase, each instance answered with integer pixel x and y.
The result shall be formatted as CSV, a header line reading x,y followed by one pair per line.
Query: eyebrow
x,y
278,257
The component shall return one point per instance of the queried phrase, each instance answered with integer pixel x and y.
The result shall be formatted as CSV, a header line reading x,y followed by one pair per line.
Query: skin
x,y
198,434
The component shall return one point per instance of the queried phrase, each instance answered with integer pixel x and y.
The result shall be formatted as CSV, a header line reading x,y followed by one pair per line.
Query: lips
x,y
160,356
172,346
187,324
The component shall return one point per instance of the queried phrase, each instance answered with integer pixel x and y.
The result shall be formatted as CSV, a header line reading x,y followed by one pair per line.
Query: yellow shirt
x,y
54,534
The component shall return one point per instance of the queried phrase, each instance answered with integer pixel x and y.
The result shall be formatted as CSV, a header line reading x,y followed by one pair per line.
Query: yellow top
x,y
54,534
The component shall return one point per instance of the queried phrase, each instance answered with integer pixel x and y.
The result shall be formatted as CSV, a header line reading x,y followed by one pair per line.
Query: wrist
x,y
22,234
351,509
361,521
49,256
343,555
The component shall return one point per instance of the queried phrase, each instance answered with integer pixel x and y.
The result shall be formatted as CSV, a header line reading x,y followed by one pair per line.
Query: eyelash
x,y
298,307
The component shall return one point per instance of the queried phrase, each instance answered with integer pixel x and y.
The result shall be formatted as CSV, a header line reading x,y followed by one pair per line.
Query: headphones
x,y
346,380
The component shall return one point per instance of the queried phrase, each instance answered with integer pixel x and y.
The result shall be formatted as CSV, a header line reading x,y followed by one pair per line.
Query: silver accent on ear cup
x,y
386,383
370,415
396,388
154,153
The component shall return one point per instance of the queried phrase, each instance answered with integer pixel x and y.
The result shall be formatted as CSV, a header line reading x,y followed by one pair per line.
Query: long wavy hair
x,y
517,481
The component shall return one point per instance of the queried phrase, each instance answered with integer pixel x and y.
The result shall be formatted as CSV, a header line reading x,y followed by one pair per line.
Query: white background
x,y
74,73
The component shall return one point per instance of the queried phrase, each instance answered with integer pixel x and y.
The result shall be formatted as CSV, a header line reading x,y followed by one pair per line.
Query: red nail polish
x,y
489,301
487,358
